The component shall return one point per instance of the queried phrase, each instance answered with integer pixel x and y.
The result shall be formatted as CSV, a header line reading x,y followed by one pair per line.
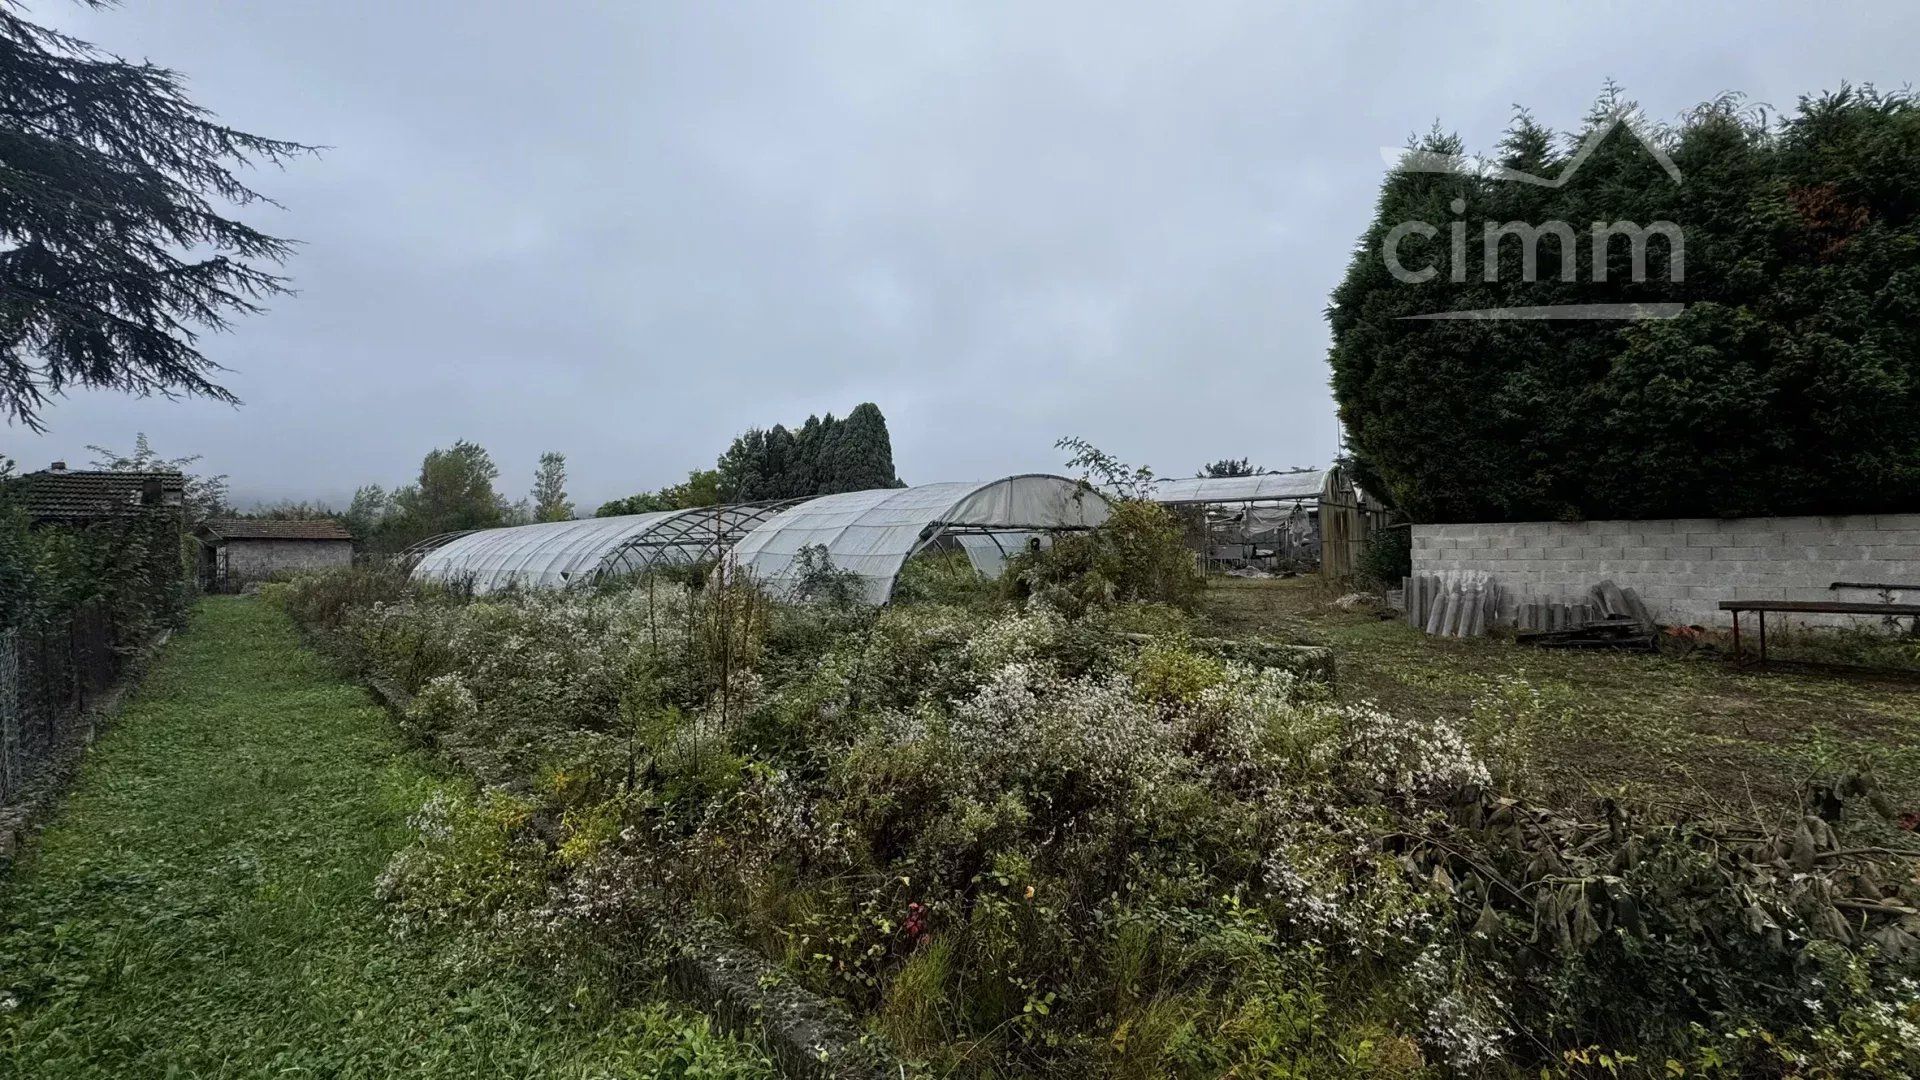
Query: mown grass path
x,y
203,904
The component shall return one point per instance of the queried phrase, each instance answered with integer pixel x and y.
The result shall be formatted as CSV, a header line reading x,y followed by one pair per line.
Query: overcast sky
x,y
628,231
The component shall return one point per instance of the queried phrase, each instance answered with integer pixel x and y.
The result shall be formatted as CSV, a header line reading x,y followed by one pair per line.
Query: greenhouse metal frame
x,y
548,555
697,534
872,534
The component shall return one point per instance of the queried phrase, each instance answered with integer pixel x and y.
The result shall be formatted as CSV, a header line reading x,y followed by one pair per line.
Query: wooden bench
x,y
1805,607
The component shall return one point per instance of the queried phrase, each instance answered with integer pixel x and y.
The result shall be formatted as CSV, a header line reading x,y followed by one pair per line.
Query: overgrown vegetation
x,y
1787,385
1387,557
204,905
1138,556
128,568
1026,841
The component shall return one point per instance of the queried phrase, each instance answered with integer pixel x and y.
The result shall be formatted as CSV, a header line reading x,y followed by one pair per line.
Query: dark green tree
x,y
645,502
862,454
783,475
455,491
1788,383
827,455
742,467
700,488
1230,467
111,189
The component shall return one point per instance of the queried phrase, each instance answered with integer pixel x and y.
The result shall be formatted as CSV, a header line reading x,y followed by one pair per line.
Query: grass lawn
x,y
203,905
1695,733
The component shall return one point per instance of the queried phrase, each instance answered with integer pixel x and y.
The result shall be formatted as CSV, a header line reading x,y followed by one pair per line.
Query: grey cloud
x,y
628,232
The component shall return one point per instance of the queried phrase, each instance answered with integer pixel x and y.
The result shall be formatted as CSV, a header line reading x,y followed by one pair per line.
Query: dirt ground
x,y
1691,733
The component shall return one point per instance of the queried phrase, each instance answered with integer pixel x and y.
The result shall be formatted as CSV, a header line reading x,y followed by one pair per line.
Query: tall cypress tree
x,y
826,456
778,464
743,467
804,475
1788,383
863,453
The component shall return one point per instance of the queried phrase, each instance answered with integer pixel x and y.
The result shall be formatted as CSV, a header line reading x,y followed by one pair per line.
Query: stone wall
x,y
258,560
1682,568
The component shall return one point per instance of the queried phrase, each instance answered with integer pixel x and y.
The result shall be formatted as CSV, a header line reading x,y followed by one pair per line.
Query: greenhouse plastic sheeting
x,y
1261,488
873,533
550,555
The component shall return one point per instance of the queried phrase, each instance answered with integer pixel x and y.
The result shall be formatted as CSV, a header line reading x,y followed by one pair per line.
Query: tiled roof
x,y
76,496
246,529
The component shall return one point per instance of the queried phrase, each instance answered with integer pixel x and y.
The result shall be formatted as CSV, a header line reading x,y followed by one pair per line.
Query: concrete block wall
x,y
1683,567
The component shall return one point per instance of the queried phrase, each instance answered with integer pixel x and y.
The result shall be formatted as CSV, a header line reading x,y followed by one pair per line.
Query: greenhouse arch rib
x,y
872,534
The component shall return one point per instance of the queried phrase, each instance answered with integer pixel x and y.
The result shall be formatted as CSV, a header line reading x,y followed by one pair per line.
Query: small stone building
x,y
235,552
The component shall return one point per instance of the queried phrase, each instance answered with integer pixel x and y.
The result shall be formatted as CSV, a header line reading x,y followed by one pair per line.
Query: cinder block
x,y
1897,522
1735,554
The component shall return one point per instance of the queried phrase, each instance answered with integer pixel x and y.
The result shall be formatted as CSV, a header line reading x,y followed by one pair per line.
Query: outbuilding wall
x,y
1683,567
258,560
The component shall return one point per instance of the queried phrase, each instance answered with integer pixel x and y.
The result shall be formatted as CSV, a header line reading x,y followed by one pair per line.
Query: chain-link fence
x,y
48,678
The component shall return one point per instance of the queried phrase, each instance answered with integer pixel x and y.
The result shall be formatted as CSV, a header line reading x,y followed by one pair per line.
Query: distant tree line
x,y
825,456
453,492
456,488
700,488
1789,382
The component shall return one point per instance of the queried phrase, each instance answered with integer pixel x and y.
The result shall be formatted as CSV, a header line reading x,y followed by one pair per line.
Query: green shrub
x,y
325,600
946,577
474,863
1139,554
1387,558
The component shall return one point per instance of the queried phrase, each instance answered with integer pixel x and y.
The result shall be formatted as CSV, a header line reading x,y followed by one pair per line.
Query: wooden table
x,y
1805,607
